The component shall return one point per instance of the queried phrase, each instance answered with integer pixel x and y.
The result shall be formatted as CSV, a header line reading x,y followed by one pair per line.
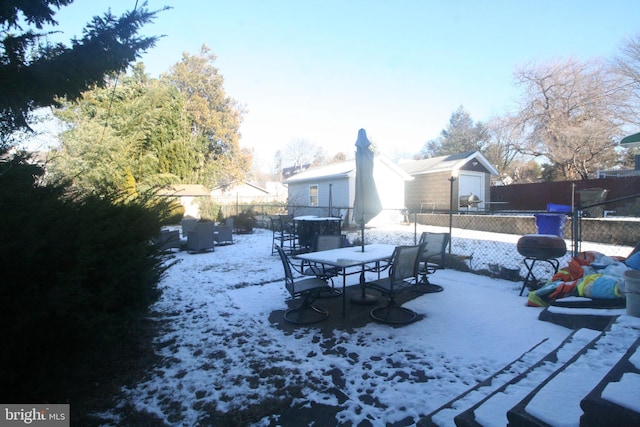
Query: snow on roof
x,y
343,170
230,186
332,170
184,190
446,163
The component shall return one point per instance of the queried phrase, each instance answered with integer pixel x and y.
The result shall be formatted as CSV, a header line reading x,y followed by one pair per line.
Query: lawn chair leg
x,y
530,279
294,315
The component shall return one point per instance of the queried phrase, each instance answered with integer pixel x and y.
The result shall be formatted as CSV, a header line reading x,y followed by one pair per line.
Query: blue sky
x,y
320,70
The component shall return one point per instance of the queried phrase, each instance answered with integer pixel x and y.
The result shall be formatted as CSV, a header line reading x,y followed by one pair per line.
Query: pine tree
x,y
35,72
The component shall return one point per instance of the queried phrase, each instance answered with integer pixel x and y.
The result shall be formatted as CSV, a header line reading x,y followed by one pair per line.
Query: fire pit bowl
x,y
541,246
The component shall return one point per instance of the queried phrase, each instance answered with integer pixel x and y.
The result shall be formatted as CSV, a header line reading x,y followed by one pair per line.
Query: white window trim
x,y
317,196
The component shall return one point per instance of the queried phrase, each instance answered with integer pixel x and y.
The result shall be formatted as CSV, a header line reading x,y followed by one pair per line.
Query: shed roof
x,y
227,187
342,170
450,162
184,190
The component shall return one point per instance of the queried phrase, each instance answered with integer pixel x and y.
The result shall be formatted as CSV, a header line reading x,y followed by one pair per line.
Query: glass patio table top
x,y
350,257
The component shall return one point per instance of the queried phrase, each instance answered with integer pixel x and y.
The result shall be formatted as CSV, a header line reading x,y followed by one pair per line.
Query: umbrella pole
x,y
362,232
363,298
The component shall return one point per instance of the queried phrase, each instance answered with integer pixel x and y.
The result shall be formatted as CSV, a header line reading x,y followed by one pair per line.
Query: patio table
x,y
309,225
349,258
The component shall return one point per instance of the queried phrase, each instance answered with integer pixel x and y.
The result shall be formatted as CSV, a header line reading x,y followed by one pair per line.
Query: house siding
x,y
389,181
478,167
429,192
299,197
340,197
299,194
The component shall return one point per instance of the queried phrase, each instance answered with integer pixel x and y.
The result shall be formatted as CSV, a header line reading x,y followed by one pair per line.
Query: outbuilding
x,y
189,196
439,181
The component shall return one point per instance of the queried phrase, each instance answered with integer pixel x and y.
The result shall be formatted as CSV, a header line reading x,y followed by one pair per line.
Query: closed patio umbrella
x,y
367,202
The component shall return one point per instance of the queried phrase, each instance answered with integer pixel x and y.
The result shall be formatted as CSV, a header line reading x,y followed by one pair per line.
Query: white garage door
x,y
470,183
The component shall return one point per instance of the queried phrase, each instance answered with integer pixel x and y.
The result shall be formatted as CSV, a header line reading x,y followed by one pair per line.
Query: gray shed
x,y
435,179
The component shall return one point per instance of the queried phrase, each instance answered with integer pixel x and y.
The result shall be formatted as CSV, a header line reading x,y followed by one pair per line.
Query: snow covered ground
x,y
220,351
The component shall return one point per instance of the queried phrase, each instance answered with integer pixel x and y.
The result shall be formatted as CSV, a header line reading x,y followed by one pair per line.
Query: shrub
x,y
244,221
175,214
79,274
208,208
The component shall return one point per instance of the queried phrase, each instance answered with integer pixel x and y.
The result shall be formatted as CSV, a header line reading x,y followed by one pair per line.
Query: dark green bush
x,y
79,273
244,221
208,208
176,213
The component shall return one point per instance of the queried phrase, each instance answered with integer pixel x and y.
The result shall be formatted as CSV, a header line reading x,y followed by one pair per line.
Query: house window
x,y
313,195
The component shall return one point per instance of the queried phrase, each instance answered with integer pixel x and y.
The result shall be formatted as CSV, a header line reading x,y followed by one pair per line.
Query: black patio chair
x,y
168,240
403,276
431,259
325,242
284,234
308,289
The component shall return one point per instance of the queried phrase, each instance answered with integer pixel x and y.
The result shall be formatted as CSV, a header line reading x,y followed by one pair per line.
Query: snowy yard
x,y
223,351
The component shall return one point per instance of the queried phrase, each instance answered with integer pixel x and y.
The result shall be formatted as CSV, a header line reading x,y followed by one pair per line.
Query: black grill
x,y
541,246
469,201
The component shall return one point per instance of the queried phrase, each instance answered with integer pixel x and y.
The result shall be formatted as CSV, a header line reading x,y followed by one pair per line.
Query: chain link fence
x,y
488,242
483,242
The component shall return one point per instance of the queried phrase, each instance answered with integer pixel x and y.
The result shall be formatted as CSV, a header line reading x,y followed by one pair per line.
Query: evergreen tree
x,y
460,136
144,132
35,72
126,135
83,265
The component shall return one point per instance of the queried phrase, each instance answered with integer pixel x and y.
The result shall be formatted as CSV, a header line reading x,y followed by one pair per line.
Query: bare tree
x,y
300,152
628,65
339,157
502,148
570,114
277,165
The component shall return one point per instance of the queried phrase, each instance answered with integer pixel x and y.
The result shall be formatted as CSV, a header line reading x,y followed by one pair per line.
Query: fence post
x,y
451,180
576,234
